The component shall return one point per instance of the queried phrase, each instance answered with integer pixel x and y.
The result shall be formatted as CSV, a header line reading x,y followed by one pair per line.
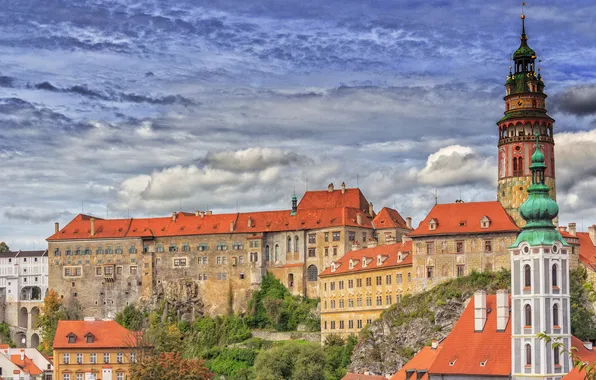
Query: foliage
x,y
583,319
168,366
338,354
51,312
5,335
272,306
233,363
131,318
588,369
4,247
291,361
164,338
207,333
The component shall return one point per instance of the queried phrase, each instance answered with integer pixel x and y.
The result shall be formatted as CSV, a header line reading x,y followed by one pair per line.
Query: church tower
x,y
525,116
539,283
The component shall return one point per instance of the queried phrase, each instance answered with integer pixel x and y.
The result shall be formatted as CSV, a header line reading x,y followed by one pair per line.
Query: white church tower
x,y
539,285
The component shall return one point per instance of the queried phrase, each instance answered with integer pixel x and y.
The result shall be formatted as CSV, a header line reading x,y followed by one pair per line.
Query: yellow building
x,y
93,350
356,288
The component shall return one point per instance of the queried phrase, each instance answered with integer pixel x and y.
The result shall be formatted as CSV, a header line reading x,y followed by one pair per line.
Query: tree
x,y
168,366
51,313
131,318
293,360
4,247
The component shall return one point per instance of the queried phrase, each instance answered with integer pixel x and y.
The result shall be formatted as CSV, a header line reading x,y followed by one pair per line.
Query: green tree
x,y
4,247
293,360
131,318
51,313
583,318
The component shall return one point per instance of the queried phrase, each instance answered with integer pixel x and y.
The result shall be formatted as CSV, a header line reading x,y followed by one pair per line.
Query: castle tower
x,y
525,115
539,284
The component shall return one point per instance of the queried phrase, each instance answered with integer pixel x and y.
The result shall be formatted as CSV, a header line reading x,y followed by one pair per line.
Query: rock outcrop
x,y
181,297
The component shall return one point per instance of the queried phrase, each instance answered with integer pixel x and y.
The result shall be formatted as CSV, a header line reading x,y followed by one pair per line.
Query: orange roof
x,y
107,334
357,376
352,198
389,218
466,349
587,250
388,252
26,364
420,362
463,218
190,224
585,355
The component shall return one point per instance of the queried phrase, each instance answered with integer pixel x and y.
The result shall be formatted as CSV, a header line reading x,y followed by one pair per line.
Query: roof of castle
x,y
465,218
389,253
389,218
587,250
325,199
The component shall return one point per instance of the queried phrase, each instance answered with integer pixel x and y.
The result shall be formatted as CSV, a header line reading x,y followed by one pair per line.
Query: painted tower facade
x,y
539,284
525,116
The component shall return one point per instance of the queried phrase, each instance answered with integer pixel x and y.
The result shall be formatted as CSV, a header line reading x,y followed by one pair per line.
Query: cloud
x,y
34,215
577,100
253,159
6,81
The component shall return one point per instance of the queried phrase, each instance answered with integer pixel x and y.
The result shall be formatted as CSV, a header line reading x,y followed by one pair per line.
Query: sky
x,y
141,108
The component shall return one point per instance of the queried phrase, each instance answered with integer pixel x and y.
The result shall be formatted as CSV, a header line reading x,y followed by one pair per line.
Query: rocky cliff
x,y
392,340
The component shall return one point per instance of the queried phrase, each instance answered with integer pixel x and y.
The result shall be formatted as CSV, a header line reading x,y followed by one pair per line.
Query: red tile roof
x,y
587,250
107,334
26,365
389,218
389,252
585,355
356,376
420,362
463,218
190,224
466,349
352,198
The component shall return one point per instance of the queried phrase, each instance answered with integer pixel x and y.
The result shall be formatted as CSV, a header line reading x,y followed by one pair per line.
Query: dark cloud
x,y
577,100
6,81
35,215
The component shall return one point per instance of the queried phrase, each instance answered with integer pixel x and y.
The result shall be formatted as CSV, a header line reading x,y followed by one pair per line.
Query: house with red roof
x,y
455,239
24,363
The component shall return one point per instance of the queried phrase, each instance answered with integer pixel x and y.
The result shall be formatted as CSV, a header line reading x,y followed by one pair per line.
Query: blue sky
x,y
142,108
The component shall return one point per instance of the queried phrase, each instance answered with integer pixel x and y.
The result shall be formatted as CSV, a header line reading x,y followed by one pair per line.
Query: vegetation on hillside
x,y
5,335
168,366
52,311
583,318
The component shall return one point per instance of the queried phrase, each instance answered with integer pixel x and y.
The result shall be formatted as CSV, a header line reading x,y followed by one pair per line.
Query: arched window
x,y
290,280
312,273
514,166
296,244
528,355
555,315
520,166
276,258
555,279
267,253
528,315
289,244
527,276
557,356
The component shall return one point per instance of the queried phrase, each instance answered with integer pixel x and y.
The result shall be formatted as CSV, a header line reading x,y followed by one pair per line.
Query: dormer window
x,y
351,264
333,267
72,338
90,338
364,262
432,225
381,259
485,222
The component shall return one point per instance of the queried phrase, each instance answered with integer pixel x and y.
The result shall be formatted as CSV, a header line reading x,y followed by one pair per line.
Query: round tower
x,y
525,116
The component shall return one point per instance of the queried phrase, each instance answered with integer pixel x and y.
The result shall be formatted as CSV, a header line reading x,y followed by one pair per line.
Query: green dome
x,y
524,51
538,158
539,209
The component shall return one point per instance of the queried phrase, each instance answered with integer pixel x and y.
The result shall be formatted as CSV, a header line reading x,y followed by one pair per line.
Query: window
x,y
66,357
185,247
556,315
430,248
359,302
388,279
350,303
554,276
289,247
398,278
93,358
350,284
266,253
66,376
221,247
341,325
159,248
312,238
68,253
528,315
340,285
119,375
369,281
240,259
202,247
56,251
311,252
79,358
488,246
359,323
409,277
364,236
351,236
379,300
326,236
180,262
358,282
350,324
368,301
429,272
341,304
557,356
133,269
119,357
332,285
296,244
173,248
379,280
461,270
222,276
312,273
527,276
106,357
518,166
118,270
332,304
459,246
336,235
133,357
132,249
276,253
237,246
89,338
332,325
334,251
326,251
388,300
118,250
528,355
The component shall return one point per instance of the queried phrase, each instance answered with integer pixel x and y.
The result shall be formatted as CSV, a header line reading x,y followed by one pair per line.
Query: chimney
x,y
371,211
355,246
372,243
592,233
92,220
562,229
16,374
479,310
22,355
56,227
330,187
249,222
434,344
209,213
197,213
359,219
502,309
409,222
173,217
588,345
202,214
405,238
343,187
573,229
232,226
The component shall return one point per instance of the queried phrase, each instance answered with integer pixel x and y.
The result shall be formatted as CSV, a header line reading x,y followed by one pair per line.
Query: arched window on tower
x,y
518,166
528,316
555,280
527,276
276,258
267,258
296,245
312,273
556,315
528,355
289,244
514,166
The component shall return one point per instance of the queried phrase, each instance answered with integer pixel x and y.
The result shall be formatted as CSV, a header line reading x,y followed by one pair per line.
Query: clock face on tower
x,y
520,103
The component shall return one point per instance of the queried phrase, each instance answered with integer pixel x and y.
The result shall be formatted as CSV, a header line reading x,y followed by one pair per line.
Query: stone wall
x,y
287,335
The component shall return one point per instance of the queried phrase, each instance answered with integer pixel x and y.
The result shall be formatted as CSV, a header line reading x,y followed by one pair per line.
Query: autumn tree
x,y
51,313
4,247
168,366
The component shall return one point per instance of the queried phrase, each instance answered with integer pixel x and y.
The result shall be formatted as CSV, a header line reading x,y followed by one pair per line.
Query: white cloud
x,y
454,165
